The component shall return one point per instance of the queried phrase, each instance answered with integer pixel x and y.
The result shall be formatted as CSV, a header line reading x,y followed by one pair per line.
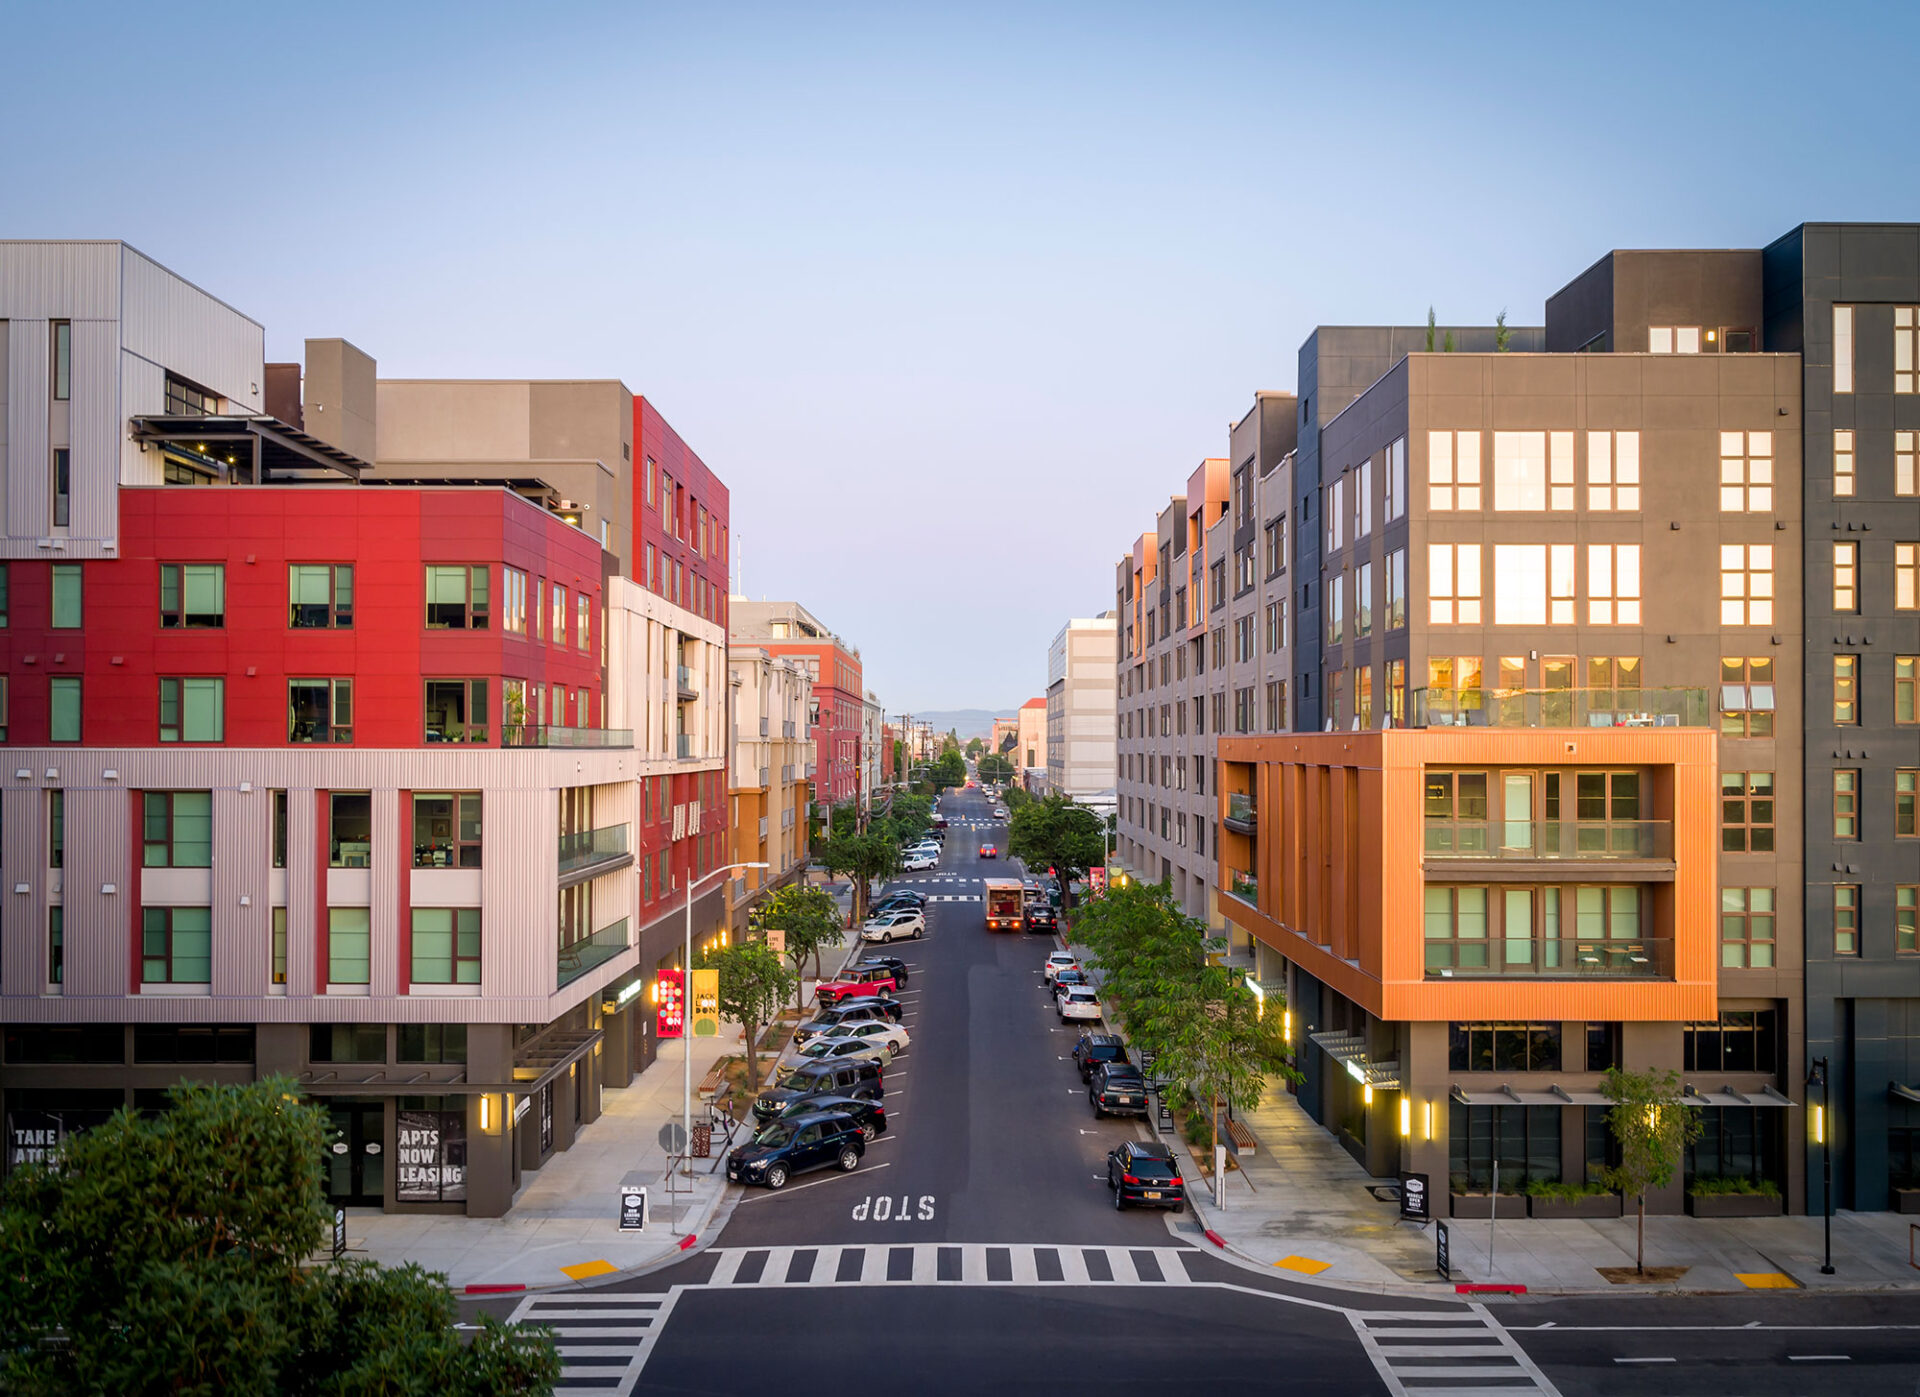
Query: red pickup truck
x,y
861,980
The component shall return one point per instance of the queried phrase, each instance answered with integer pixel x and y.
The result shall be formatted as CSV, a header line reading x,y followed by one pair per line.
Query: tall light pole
x,y
686,1018
1823,1137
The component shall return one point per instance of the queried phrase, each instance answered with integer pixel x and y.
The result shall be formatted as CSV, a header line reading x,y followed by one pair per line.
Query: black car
x,y
1095,1050
1117,1089
897,902
870,1116
885,1003
789,1147
1041,917
1062,980
1144,1172
861,1079
892,963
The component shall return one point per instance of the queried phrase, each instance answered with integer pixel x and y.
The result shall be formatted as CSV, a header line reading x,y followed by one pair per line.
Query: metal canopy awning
x,y
1554,1095
1899,1091
1727,1096
1350,1051
261,447
546,1057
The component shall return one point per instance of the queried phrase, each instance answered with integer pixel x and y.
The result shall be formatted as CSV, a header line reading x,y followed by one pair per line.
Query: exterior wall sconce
x,y
1406,1116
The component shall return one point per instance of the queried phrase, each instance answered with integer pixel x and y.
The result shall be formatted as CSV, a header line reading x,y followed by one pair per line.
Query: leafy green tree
x,y
950,770
1446,343
1502,336
993,767
1014,797
1053,832
170,1256
975,747
1429,329
754,983
1653,1125
862,854
811,921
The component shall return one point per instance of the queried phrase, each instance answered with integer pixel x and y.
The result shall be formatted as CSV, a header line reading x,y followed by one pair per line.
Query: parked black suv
x,y
1041,917
869,1116
1117,1089
790,1147
1096,1049
1144,1172
840,1078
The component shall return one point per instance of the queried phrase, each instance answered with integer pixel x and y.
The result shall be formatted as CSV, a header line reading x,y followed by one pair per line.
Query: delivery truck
x,y
1006,905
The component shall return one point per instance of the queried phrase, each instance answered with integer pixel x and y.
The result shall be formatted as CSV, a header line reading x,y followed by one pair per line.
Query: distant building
x,y
1080,710
770,754
839,704
1030,753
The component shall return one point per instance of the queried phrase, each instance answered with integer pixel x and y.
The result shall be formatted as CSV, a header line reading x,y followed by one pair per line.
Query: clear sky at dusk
x,y
951,297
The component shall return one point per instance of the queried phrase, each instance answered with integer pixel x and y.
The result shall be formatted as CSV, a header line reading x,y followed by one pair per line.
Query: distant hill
x,y
968,722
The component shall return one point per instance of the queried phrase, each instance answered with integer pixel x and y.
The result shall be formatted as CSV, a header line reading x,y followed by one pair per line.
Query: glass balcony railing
x,y
1244,886
1559,708
1243,815
578,957
1549,839
683,679
1551,958
586,847
528,735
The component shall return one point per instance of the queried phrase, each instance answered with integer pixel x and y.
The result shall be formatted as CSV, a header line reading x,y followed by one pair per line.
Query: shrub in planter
x,y
1198,1131
1717,1186
1563,1200
1733,1198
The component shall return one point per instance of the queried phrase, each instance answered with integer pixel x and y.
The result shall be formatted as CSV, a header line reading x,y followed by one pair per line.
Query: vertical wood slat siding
x,y
28,392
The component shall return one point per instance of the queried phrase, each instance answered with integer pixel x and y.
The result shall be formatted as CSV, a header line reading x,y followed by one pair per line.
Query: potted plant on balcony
x,y
1567,1201
1733,1196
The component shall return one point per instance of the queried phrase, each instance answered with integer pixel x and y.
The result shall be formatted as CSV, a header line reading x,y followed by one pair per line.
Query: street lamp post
x,y
686,1020
1823,1137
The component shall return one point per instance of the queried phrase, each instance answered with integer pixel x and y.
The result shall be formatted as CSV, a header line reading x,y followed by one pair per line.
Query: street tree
x,y
170,1255
1053,832
995,768
950,770
811,921
975,747
1013,797
863,855
754,984
1653,1125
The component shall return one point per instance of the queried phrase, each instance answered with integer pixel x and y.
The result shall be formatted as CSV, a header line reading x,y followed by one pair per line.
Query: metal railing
x,y
576,958
1559,708
1549,839
529,735
1551,958
591,846
1243,813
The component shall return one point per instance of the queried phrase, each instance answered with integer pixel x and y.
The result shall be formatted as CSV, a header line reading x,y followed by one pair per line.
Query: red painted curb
x,y
687,1241
1216,1239
1471,1289
493,1289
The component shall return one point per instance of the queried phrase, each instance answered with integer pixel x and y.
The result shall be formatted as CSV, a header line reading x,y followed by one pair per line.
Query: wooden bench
x,y
1242,1138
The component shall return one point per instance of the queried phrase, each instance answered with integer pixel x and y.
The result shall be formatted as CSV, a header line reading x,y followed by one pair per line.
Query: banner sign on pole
x,y
706,1003
777,940
670,1020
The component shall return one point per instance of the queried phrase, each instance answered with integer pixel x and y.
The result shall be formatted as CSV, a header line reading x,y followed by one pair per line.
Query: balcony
x,y
1244,886
683,682
1551,958
588,853
1644,840
1243,814
578,957
1559,708
527,735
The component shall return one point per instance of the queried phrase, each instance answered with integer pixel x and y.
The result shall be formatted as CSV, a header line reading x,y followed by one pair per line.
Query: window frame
x,y
1455,478
463,930
1906,690
174,694
338,618
1751,712
1846,690
1844,481
1748,810
1846,919
460,849
1746,472
336,732
76,597
476,592
1846,579
1737,952
475,697
1906,577
1449,602
178,616
163,922
341,934
160,810
1906,802
1846,805
1749,600
336,855
60,487
57,685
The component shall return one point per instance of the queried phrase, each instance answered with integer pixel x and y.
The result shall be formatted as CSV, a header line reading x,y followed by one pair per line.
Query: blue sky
x,y
953,298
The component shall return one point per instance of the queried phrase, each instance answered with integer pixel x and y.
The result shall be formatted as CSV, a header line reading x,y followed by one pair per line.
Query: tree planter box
x,y
1906,1200
1734,1205
1480,1205
1599,1205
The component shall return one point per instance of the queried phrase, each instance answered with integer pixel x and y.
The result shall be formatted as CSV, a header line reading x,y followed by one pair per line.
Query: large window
x,y
1843,473
193,595
193,710
1453,470
1396,571
1746,812
1906,349
1746,928
1673,339
1533,471
176,945
446,945
1846,578
1741,1040
320,596
1363,600
319,710
457,597
1906,449
446,830
349,946
1453,584
1746,584
177,829
347,1042
64,717
1746,472
1335,511
1276,546
1846,804
1906,576
1613,584
1613,471
1276,627
1846,919
513,601
68,607
185,399
1533,584
1843,349
1736,1142
1456,928
432,1042
1906,790
1523,1140
349,829
456,710
1846,689
1906,688
1746,696
583,621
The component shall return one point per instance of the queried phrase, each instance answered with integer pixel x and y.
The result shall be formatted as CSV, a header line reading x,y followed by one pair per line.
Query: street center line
x,y
1819,1358
1646,1360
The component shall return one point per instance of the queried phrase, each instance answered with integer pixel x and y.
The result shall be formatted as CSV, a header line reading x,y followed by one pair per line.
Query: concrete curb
x,y
696,1239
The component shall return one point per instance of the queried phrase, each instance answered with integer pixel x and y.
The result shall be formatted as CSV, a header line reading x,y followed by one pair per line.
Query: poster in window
x,y
432,1162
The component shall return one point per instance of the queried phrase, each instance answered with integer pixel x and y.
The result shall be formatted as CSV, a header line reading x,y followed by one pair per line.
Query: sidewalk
x,y
563,1226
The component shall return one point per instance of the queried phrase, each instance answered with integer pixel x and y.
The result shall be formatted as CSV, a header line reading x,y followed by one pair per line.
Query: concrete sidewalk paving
x,y
564,1227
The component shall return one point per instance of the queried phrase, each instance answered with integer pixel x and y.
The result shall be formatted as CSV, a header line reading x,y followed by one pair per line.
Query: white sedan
x,y
895,926
1058,961
836,1048
1080,1003
893,1037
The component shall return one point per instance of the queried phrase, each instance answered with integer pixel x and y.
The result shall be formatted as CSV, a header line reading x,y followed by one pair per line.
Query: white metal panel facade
x,y
28,462
60,280
170,321
96,428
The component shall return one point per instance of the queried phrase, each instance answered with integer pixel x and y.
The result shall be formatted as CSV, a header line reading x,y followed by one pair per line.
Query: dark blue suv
x,y
789,1147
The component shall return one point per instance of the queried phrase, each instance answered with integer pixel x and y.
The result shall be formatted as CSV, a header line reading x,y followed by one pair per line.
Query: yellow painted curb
x,y
587,1270
1766,1280
1305,1265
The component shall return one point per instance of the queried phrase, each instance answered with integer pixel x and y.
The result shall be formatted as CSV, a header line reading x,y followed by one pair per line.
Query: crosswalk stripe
x,y
603,1338
963,1264
1402,1352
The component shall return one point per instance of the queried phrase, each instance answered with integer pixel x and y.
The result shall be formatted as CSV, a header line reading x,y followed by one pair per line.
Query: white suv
x,y
1080,1003
895,926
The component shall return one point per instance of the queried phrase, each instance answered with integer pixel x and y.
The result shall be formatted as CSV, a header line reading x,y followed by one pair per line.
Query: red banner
x,y
671,1017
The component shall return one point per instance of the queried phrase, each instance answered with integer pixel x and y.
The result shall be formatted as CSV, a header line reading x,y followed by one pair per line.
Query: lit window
x,y
1906,353
1746,472
1906,791
1673,339
1746,584
1843,349
1613,470
1520,584
1747,697
1613,584
1904,475
1906,576
1906,688
1520,471
1453,584
1843,463
1846,577
1453,470
1846,688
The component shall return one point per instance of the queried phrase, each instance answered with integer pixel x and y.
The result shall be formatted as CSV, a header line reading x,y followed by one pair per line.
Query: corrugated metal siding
x,y
60,280
96,430
175,324
27,460
98,843
242,936
22,947
6,357
143,389
383,977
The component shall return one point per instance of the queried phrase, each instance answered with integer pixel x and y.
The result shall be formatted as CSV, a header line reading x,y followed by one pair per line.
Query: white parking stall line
x,y
761,1195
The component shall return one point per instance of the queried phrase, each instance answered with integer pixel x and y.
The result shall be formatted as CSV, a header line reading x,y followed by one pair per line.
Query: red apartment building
x,y
839,703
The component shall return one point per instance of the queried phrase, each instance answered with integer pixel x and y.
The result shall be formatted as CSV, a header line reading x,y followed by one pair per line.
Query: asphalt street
x,y
977,1246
